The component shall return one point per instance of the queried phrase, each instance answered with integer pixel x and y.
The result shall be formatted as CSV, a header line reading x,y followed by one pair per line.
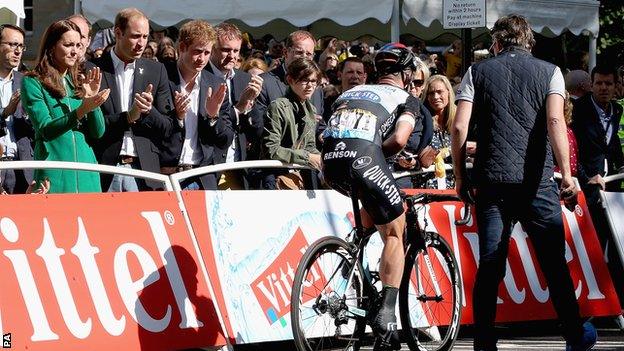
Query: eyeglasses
x,y
417,83
15,46
312,82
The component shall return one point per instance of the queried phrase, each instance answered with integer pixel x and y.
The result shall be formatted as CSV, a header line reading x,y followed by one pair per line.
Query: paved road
x,y
534,336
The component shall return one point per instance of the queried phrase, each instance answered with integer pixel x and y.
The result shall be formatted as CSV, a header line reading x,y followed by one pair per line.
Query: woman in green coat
x,y
64,110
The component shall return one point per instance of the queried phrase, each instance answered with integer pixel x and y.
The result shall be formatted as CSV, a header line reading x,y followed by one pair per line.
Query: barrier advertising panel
x,y
614,204
102,271
256,238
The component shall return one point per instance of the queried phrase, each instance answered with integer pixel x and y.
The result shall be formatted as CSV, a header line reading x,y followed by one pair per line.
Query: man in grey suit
x,y
16,131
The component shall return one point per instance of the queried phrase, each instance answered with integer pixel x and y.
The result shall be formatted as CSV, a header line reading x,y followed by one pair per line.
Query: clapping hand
x,y
91,82
12,106
92,98
142,104
43,188
181,101
215,99
251,92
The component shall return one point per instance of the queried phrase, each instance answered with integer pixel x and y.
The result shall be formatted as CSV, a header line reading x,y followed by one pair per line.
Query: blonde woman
x,y
439,99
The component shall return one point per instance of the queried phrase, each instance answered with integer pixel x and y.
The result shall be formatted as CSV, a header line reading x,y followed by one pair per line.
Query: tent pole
x,y
467,54
593,43
395,23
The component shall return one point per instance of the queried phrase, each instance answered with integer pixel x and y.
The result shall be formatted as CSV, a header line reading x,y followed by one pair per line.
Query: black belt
x,y
123,159
176,169
7,158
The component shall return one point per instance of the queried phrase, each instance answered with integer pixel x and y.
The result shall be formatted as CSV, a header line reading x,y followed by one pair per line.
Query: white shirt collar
x,y
183,82
604,114
119,64
9,78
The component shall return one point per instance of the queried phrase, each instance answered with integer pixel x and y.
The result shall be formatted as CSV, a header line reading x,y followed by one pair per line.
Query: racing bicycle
x,y
336,285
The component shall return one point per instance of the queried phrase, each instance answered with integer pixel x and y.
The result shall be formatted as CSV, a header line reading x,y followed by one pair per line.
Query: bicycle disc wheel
x,y
326,305
430,318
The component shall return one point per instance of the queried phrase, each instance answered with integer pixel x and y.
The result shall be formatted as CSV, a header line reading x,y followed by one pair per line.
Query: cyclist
x,y
369,124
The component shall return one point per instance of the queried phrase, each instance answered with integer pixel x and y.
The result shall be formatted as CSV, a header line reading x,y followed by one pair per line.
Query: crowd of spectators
x,y
174,99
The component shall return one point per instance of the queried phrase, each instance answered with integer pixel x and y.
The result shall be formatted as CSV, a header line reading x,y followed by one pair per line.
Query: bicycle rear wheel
x,y
430,318
327,304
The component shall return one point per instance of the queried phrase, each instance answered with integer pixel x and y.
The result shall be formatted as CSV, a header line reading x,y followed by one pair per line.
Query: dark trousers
x,y
539,212
13,181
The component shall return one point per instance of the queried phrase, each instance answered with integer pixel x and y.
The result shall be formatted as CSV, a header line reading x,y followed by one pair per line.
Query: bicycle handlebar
x,y
467,215
424,198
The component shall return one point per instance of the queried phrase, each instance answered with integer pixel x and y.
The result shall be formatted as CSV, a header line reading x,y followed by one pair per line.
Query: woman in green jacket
x,y
64,110
290,122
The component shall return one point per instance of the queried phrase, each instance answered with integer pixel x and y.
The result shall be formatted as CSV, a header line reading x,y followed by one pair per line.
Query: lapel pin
x,y
140,70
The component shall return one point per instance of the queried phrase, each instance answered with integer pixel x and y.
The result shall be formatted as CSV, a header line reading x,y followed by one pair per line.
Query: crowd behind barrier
x,y
175,110
228,56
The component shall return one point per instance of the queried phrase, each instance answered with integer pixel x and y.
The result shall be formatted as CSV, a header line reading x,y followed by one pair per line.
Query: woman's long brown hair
x,y
46,70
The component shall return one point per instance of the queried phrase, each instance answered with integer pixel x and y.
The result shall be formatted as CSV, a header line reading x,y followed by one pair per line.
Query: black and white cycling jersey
x,y
370,112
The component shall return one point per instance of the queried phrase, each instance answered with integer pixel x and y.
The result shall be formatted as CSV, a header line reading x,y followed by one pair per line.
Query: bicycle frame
x,y
414,235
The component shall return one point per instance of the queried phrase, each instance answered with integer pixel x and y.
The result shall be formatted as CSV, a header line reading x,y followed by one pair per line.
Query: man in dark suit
x,y
298,44
138,112
243,89
16,132
595,122
198,98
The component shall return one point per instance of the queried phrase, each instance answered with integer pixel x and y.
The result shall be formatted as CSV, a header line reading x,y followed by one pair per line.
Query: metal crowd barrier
x,y
80,166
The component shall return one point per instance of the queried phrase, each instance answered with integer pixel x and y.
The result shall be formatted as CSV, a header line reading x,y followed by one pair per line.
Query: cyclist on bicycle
x,y
369,124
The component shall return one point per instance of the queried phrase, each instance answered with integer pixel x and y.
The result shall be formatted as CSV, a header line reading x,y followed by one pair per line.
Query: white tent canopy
x,y
350,19
11,11
547,17
281,16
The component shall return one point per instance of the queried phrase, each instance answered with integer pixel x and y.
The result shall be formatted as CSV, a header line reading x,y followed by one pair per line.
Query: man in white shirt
x,y
243,89
15,129
198,98
138,112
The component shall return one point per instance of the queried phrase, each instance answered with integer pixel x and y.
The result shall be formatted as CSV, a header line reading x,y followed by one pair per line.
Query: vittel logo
x,y
273,287
83,254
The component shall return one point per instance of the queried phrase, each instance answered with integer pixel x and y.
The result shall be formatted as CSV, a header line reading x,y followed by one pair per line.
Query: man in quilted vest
x,y
517,104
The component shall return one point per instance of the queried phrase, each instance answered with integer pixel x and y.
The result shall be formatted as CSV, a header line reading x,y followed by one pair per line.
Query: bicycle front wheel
x,y
326,306
430,296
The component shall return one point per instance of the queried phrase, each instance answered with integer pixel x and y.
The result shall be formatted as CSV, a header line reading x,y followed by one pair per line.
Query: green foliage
x,y
611,37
